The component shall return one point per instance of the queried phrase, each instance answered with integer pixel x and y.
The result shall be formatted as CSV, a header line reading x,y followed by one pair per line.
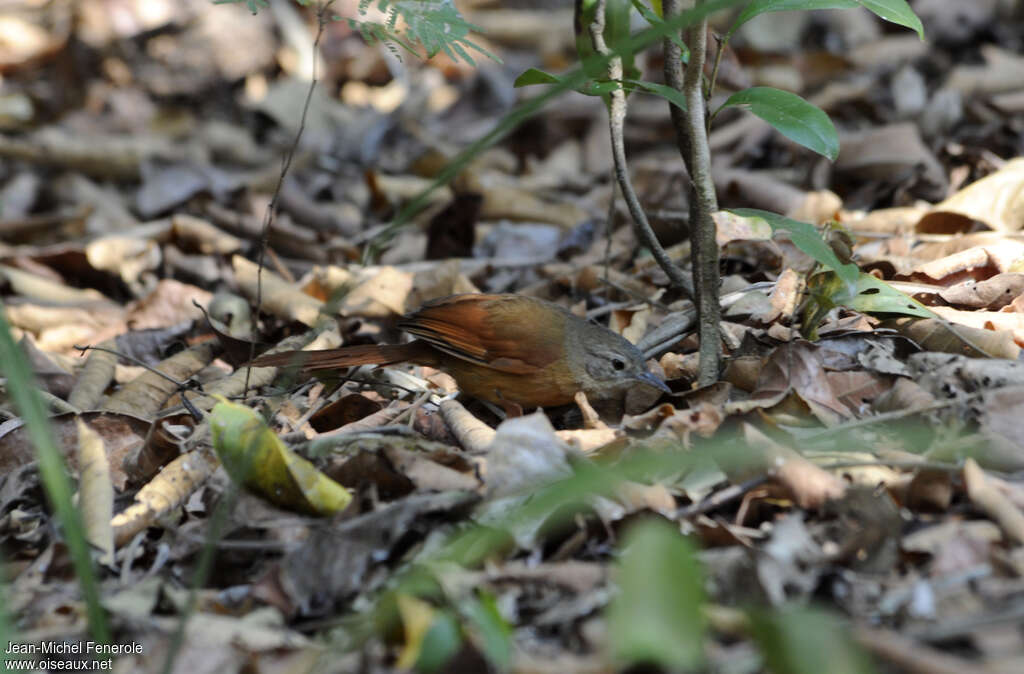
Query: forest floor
x,y
850,494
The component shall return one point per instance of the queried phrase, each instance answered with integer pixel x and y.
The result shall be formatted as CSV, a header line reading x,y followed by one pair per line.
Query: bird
x,y
507,349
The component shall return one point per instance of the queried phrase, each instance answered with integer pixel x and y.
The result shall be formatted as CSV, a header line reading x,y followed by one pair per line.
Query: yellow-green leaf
x,y
256,458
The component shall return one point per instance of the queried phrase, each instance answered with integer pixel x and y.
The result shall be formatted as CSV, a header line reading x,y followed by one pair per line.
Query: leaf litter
x,y
871,464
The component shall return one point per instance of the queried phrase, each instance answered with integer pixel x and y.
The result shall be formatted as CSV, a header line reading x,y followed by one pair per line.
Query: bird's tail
x,y
347,356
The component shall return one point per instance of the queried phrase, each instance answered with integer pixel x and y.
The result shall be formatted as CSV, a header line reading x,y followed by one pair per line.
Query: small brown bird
x,y
507,349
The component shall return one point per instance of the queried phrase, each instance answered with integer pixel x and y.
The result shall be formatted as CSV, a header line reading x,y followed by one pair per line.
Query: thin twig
x,y
133,359
609,228
714,73
271,212
637,297
719,498
616,122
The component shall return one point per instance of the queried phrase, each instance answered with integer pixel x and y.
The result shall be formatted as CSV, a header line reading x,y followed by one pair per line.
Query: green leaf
x,y
441,642
896,11
806,237
807,641
598,88
535,76
653,17
668,93
656,616
856,290
616,36
255,457
495,635
791,116
872,295
617,24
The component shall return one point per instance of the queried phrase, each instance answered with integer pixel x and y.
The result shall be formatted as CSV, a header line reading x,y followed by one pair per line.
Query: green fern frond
x,y
423,28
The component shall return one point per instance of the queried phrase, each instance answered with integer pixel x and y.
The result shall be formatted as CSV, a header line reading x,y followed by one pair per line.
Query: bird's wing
x,y
502,332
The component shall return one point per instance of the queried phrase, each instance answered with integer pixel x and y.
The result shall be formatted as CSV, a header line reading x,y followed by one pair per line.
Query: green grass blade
x,y
14,366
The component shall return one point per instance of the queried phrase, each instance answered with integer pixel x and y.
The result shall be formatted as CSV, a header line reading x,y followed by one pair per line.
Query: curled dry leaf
x,y
95,493
978,263
127,256
474,435
279,296
169,489
984,495
202,236
993,293
36,287
588,440
94,377
809,485
940,338
991,321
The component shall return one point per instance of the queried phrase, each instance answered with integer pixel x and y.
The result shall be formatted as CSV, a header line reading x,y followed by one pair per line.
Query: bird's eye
x,y
618,364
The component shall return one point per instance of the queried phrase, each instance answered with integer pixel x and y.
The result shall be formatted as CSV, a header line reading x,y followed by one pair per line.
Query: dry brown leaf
x,y
1002,321
588,440
36,287
474,435
379,292
944,337
883,151
797,367
122,434
979,263
429,475
809,485
95,492
169,489
993,293
895,221
127,256
169,303
1001,72
204,237
279,296
146,394
997,200
994,502
94,377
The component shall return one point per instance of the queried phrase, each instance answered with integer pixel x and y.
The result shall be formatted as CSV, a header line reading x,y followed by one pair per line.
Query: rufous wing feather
x,y
498,331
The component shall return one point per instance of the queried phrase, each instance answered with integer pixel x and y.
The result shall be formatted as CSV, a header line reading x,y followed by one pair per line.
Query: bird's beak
x,y
654,380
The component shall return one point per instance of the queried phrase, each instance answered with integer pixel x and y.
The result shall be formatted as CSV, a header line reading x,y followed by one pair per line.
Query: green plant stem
x,y
616,123
691,137
54,476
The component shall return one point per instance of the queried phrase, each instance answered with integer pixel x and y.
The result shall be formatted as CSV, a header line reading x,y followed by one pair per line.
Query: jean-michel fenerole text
x,y
72,647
